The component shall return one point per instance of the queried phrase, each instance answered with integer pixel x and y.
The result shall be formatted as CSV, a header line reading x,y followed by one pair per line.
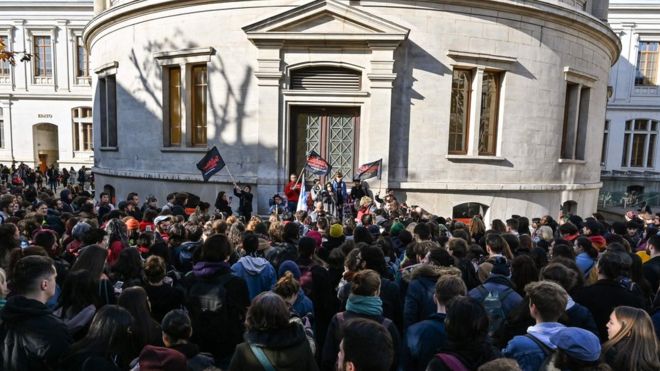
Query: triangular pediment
x,y
326,20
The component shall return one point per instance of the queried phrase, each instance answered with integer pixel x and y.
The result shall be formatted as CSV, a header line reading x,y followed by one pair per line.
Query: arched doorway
x,y
569,207
465,211
110,190
46,145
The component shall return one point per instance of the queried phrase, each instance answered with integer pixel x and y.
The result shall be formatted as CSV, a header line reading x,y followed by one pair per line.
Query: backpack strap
x,y
261,357
546,349
506,293
451,361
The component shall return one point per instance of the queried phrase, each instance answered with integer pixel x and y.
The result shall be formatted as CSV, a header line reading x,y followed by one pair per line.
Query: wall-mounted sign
x,y
44,116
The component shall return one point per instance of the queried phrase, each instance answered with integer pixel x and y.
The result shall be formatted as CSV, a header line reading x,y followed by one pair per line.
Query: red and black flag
x,y
211,163
370,170
317,165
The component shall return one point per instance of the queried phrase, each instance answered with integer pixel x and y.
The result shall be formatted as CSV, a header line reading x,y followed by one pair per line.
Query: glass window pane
x,y
459,111
489,112
87,137
199,106
175,105
628,123
76,136
4,65
637,155
651,152
624,158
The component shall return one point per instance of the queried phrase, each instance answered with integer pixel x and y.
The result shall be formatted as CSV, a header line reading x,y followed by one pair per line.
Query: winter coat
x,y
419,302
257,272
287,349
221,336
389,294
333,338
244,202
422,341
196,361
527,352
499,284
652,272
602,297
163,299
32,338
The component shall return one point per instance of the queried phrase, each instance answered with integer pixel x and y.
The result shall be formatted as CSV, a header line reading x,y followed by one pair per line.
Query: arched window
x,y
639,143
325,78
465,211
82,128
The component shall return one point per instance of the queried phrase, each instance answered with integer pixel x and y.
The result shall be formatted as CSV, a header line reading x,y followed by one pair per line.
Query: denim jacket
x,y
526,351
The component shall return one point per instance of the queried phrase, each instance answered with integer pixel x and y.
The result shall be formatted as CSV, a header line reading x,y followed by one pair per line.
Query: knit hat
x,y
577,343
336,231
500,266
80,229
396,228
291,266
161,359
132,224
316,236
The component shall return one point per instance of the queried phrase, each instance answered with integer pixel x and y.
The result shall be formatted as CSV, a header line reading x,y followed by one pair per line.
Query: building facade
x,y
474,106
630,158
45,102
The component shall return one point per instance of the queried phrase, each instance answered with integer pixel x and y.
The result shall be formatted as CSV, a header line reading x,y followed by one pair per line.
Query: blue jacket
x,y
526,351
257,272
419,304
303,305
422,341
340,189
585,263
499,284
580,316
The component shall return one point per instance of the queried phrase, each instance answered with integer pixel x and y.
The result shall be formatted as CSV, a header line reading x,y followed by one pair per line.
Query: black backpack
x,y
207,303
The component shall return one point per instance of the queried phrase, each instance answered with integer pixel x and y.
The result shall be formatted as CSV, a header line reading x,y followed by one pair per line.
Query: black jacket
x,y
196,361
31,337
244,202
652,273
601,298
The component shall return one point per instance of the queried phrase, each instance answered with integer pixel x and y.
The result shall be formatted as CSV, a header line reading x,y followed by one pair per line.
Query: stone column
x,y
377,130
268,76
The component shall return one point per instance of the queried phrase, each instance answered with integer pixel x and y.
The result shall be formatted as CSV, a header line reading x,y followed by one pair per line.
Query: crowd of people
x,y
357,282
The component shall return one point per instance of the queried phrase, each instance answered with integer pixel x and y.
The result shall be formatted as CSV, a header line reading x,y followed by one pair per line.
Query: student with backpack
x,y
258,273
217,300
497,294
547,302
363,302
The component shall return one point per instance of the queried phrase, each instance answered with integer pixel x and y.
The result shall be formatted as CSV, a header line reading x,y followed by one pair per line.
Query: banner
x,y
317,165
370,170
211,163
302,200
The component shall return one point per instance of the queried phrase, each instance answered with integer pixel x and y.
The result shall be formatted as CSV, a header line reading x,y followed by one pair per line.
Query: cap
x,y
336,231
577,343
162,218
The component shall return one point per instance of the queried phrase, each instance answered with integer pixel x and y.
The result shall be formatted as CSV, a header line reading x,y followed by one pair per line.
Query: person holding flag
x,y
244,201
292,192
339,188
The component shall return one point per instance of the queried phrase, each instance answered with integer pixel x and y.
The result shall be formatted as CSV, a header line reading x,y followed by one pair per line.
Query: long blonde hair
x,y
638,346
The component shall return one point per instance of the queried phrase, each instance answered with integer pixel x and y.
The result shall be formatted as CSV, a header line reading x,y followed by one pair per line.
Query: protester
x,y
363,339
631,343
177,330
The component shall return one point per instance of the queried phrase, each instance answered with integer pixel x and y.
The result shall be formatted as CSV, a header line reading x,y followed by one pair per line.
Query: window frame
x,y
79,122
468,105
575,125
185,60
5,65
107,110
37,59
40,31
649,147
641,70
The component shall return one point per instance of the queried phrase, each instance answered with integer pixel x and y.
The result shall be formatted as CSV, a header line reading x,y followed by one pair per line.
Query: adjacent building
x,y
46,101
630,158
474,106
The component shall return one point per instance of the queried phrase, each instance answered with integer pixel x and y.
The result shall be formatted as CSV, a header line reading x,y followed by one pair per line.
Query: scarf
x,y
369,305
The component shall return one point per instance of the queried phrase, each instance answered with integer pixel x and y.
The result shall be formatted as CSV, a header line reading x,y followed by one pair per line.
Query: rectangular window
x,y
2,129
576,120
4,65
490,96
198,102
108,111
603,151
82,129
82,63
647,63
76,136
175,105
461,89
639,143
42,56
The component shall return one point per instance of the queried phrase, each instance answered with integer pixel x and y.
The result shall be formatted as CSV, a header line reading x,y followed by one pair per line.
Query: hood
x,y
253,265
434,271
20,308
599,242
287,337
187,349
406,273
206,269
190,245
544,331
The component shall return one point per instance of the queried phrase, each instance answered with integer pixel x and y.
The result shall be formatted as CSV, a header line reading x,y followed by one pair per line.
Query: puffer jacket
x,y
32,338
419,304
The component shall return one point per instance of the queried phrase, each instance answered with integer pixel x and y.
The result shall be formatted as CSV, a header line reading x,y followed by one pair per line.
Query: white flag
x,y
302,200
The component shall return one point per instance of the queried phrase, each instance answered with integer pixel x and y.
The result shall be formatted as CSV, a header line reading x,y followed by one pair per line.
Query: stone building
x,y
45,103
630,159
473,105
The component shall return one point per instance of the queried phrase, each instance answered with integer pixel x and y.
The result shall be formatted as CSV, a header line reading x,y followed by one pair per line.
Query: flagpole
x,y
231,176
299,177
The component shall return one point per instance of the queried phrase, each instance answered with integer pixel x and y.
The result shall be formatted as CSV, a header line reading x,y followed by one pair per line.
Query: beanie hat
x,y
316,236
291,266
161,359
577,343
396,228
80,229
132,224
500,266
336,231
